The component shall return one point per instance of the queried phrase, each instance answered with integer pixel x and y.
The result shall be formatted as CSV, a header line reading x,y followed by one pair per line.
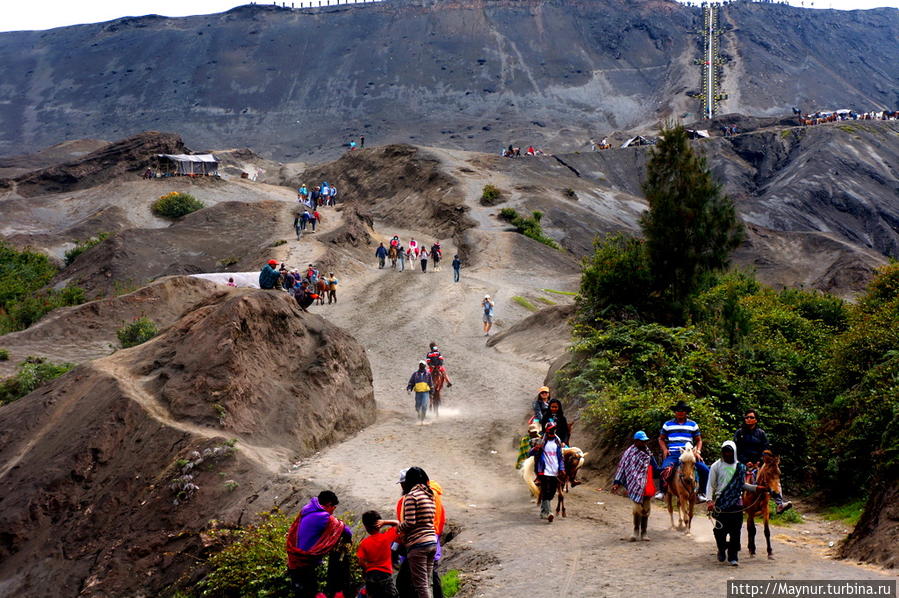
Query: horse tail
x,y
527,474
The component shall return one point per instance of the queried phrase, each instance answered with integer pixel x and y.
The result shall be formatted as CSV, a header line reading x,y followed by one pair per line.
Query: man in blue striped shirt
x,y
675,434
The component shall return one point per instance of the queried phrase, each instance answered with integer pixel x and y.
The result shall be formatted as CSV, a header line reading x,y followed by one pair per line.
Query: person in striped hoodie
x,y
416,529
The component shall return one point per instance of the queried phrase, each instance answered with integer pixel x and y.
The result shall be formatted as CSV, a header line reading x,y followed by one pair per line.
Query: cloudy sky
x,y
46,14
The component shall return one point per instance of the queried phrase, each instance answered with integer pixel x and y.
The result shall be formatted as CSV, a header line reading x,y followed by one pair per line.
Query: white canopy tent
x,y
188,164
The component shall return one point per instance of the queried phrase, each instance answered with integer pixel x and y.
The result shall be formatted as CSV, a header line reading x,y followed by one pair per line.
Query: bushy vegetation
x,y
83,246
32,372
175,205
22,276
491,195
525,303
253,564
450,583
528,226
137,332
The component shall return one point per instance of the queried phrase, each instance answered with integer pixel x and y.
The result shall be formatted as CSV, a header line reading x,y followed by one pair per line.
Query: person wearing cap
x,y
725,491
541,403
268,277
487,305
549,463
527,443
673,437
314,533
635,474
421,382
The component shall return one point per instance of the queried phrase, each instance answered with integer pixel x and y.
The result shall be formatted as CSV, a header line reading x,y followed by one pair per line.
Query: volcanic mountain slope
x,y
474,74
114,467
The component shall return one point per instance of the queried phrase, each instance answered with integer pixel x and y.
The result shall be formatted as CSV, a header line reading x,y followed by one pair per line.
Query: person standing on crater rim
x,y
487,305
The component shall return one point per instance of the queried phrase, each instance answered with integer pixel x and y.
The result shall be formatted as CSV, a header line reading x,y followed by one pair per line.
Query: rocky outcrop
x,y
117,466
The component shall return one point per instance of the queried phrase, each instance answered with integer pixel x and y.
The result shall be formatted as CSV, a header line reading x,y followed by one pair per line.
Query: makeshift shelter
x,y
638,140
698,133
187,165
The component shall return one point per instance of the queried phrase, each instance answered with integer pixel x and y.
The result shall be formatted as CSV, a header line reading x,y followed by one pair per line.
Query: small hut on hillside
x,y
186,165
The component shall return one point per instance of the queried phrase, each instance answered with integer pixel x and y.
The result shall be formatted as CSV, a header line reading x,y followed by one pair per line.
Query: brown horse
x,y
321,289
574,460
757,503
682,485
439,378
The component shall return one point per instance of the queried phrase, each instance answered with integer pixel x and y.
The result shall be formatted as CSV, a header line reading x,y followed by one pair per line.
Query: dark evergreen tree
x,y
691,227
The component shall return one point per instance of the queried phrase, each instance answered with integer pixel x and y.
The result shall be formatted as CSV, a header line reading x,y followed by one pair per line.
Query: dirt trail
x,y
470,448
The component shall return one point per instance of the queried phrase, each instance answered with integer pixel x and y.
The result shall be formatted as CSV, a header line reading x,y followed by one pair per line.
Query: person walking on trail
x,y
332,197
423,259
752,442
555,415
487,306
376,558
332,282
457,264
421,382
549,465
315,219
304,219
391,255
314,533
268,277
416,526
436,254
401,256
541,404
381,254
302,193
362,142
297,226
635,474
674,435
725,491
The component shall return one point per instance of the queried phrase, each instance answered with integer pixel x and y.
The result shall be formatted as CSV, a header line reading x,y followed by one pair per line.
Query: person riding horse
x,y
673,437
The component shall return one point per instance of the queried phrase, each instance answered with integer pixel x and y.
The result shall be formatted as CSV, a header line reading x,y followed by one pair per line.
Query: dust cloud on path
x,y
504,547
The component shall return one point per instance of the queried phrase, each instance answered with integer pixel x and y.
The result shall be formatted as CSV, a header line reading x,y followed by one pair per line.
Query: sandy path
x,y
469,449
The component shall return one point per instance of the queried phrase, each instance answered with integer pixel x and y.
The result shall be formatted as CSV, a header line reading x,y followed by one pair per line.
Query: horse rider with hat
x,y
673,437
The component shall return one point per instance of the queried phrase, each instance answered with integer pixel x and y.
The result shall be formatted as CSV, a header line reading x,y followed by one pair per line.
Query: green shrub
x,y
450,583
529,227
83,246
491,196
139,331
32,373
22,276
4,354
175,205
615,280
849,513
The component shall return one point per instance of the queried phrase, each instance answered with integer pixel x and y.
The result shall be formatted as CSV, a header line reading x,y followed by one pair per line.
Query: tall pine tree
x,y
691,227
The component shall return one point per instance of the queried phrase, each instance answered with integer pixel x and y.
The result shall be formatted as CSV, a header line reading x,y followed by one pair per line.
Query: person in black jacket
x,y
751,443
555,414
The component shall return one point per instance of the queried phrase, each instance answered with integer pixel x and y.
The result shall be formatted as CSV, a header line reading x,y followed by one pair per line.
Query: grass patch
x,y
545,300
175,205
82,246
137,332
524,303
786,518
528,226
849,513
450,583
554,291
33,372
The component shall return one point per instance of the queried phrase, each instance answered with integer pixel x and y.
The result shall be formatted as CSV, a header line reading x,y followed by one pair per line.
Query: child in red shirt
x,y
376,558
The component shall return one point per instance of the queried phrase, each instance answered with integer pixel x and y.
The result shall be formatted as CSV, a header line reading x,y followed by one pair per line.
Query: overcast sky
x,y
46,14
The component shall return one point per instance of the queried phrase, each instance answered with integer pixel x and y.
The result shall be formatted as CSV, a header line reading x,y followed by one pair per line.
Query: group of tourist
x,y
413,252
398,557
317,196
306,287
515,152
549,433
829,116
721,485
